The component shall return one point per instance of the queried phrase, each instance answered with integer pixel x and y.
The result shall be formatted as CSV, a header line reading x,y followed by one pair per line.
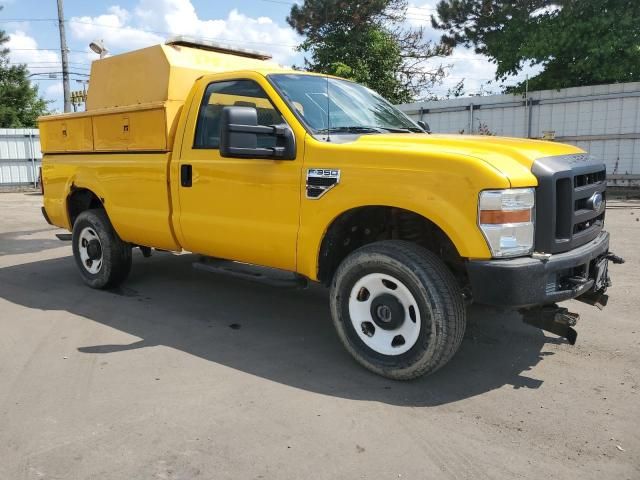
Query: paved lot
x,y
151,382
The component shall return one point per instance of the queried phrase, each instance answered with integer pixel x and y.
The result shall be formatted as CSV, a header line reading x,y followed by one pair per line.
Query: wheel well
x,y
361,226
81,199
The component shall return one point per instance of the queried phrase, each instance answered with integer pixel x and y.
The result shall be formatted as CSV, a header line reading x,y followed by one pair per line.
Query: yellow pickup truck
x,y
218,151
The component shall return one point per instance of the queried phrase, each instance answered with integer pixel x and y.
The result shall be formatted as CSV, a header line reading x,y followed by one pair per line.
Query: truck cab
x,y
199,147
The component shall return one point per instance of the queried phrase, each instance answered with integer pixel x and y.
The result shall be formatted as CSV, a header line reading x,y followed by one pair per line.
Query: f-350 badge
x,y
320,181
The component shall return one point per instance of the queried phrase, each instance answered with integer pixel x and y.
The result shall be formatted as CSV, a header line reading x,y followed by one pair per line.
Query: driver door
x,y
243,209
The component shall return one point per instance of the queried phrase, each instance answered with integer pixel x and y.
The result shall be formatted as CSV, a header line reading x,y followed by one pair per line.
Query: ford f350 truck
x,y
200,147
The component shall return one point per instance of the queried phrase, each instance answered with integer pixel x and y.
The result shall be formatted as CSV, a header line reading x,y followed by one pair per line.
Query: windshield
x,y
352,107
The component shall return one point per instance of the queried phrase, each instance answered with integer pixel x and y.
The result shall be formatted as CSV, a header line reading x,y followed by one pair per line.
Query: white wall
x,y
20,156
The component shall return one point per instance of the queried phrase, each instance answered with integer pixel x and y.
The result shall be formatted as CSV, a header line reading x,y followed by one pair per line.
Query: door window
x,y
239,93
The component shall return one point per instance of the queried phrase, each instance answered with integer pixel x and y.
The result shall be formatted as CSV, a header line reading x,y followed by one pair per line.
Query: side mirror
x,y
424,126
240,136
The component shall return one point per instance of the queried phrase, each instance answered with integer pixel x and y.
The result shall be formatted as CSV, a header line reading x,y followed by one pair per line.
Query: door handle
x,y
186,175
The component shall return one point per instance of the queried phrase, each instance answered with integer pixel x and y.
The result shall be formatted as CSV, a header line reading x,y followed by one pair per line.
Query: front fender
x,y
457,218
440,185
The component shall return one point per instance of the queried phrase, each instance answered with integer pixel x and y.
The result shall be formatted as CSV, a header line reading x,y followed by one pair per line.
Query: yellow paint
x,y
252,205
142,85
136,130
255,210
157,73
134,189
68,134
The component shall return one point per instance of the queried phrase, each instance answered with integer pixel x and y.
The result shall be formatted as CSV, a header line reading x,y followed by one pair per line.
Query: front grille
x,y
585,225
570,201
589,178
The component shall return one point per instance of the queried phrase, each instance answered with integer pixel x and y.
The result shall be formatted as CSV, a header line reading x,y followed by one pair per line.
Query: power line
x,y
39,67
45,50
443,57
21,20
161,32
57,72
455,57
57,62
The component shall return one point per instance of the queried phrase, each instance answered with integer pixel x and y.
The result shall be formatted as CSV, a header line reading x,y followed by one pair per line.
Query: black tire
x,y
442,314
115,262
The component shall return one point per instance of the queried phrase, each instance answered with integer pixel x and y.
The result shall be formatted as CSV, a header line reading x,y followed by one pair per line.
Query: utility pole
x,y
527,107
65,59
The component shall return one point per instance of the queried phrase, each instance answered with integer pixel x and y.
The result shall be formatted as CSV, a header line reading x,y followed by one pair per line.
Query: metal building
x,y
20,156
603,120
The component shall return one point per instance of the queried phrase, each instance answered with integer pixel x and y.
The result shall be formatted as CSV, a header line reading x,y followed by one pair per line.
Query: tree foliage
x,y
368,42
20,104
577,42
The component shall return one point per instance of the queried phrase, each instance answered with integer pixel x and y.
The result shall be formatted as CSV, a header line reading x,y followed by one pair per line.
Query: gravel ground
x,y
182,374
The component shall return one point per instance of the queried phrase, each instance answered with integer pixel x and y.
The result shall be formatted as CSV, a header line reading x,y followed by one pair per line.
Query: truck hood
x,y
513,157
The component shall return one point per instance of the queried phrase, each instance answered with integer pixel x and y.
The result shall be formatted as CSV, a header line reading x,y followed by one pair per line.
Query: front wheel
x,y
397,309
103,259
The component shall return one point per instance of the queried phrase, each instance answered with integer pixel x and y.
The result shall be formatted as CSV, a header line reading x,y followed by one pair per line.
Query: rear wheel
x,y
103,259
397,309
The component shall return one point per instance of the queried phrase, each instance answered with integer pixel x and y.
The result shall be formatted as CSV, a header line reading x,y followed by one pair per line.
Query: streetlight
x,y
99,47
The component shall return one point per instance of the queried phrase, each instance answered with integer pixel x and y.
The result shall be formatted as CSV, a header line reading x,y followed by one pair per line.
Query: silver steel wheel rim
x,y
394,341
91,265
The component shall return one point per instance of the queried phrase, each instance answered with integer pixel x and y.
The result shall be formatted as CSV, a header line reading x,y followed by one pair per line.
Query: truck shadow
x,y
282,335
12,243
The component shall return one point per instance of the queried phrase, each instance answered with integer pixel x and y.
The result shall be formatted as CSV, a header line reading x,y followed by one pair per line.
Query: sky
x,y
126,25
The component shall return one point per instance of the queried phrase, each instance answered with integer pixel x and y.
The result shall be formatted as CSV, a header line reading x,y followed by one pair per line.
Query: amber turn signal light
x,y
494,217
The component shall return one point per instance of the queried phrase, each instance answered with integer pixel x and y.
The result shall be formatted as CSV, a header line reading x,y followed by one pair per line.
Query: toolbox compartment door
x,y
142,130
66,135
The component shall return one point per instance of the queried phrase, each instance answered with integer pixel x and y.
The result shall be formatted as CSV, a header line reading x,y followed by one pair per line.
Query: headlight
x,y
506,218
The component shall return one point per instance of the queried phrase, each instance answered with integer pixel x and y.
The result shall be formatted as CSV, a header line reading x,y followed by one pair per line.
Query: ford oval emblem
x,y
596,201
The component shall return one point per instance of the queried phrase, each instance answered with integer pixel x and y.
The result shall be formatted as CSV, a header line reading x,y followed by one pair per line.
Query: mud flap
x,y
553,319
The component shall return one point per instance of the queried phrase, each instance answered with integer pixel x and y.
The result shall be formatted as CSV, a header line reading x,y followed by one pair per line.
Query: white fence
x,y
603,120
20,156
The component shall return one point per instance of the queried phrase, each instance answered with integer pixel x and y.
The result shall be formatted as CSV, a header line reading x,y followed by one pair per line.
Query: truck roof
x,y
215,46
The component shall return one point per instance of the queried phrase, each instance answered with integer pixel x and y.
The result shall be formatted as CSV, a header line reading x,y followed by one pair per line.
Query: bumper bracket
x,y
553,319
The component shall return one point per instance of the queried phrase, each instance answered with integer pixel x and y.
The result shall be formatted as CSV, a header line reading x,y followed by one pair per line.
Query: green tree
x,y
368,42
577,42
20,104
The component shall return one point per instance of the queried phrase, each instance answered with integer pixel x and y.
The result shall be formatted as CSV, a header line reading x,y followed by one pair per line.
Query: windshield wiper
x,y
351,129
369,129
402,130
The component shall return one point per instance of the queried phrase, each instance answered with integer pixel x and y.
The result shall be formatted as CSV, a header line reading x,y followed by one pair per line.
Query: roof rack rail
x,y
204,44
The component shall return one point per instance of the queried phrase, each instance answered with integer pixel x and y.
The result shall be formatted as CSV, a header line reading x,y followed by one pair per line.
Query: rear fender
x,y
86,181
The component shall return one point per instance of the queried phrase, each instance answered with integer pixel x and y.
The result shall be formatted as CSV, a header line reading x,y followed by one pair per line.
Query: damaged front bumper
x,y
534,285
527,281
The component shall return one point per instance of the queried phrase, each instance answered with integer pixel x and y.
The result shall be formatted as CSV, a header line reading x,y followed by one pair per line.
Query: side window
x,y
240,93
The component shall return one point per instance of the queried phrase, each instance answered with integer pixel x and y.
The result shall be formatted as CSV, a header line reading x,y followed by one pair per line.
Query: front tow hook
x,y
553,319
598,297
614,258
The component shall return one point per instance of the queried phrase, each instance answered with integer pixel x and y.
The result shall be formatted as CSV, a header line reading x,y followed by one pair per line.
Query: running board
x,y
64,237
265,275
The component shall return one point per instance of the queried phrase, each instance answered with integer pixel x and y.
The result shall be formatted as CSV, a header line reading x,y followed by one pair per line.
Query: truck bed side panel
x,y
132,186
